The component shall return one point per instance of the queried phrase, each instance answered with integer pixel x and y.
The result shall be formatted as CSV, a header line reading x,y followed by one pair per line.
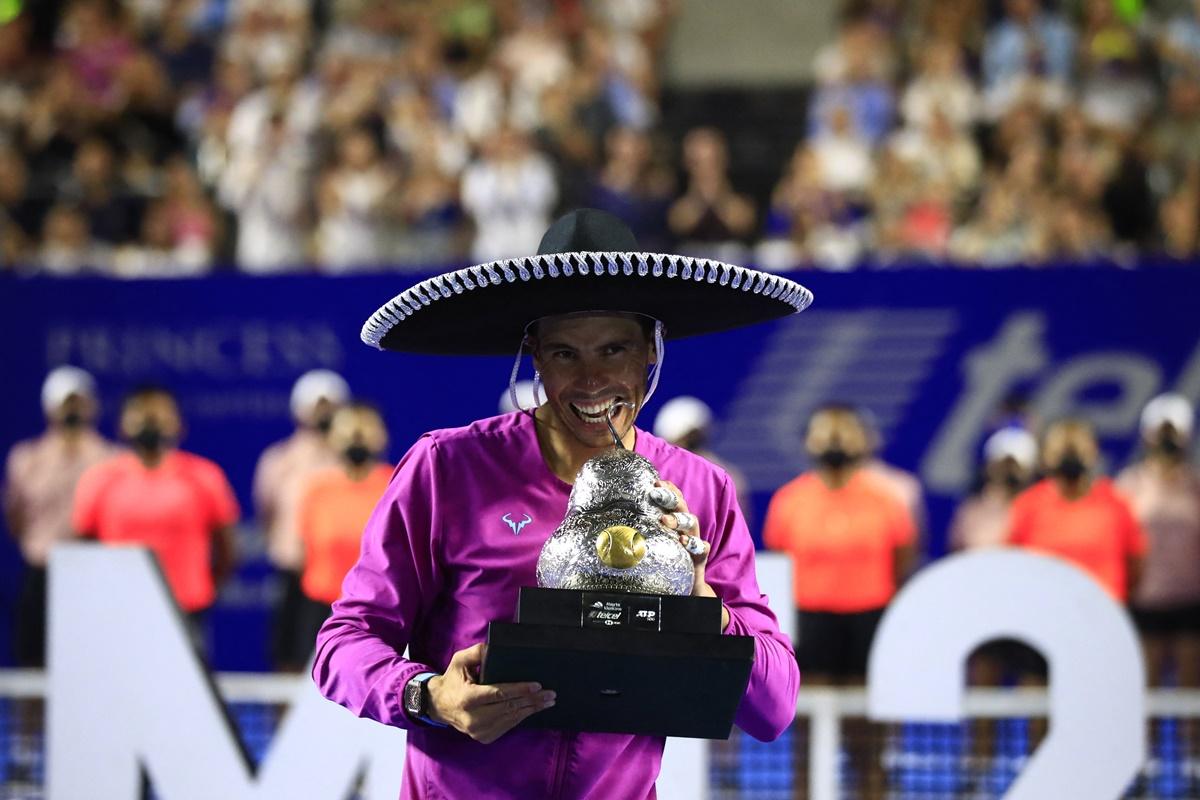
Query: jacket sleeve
x,y
769,705
358,661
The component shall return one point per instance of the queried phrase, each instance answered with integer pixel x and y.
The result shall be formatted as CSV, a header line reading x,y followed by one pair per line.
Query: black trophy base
x,y
614,673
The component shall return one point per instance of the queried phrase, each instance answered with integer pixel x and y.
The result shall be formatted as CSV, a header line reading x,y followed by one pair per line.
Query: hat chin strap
x,y
660,351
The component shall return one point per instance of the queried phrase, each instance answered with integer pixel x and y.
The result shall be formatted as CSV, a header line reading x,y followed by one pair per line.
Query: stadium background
x,y
1086,304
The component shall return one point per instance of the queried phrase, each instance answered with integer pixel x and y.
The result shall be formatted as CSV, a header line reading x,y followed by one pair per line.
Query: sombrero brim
x,y
484,310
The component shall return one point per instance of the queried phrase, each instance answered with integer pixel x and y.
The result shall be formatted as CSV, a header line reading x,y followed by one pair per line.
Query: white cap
x,y
1170,407
524,397
62,382
314,385
1014,443
680,416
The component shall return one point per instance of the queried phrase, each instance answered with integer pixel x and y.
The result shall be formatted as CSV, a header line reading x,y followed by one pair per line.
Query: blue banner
x,y
931,353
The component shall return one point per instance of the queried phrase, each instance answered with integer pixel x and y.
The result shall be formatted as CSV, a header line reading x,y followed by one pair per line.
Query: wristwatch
x,y
416,699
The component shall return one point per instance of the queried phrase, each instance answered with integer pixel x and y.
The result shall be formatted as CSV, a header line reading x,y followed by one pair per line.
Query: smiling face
x,y
589,363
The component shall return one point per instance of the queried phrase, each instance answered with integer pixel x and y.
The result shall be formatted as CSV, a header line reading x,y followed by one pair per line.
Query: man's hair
x,y
1069,424
358,407
146,391
839,407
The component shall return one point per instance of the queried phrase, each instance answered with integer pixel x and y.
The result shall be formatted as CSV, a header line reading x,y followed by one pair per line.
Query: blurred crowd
x,y
1021,131
168,136
172,137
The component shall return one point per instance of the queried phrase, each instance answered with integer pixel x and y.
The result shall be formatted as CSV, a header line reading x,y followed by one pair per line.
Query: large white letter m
x,y
128,696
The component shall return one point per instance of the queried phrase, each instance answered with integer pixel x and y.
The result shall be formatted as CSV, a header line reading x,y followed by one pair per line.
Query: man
x,y
279,478
1164,490
40,479
441,559
851,541
333,510
177,504
1077,515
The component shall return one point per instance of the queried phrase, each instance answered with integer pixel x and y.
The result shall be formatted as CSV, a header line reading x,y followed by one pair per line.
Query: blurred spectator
x,y
113,213
1165,492
177,504
279,480
997,235
1010,459
266,187
862,49
1173,140
67,246
333,510
178,234
940,153
843,153
851,542
1115,81
40,479
941,86
808,221
710,217
433,221
18,206
633,186
354,205
1075,232
1078,515
859,103
687,422
1179,218
509,192
1028,54
1179,44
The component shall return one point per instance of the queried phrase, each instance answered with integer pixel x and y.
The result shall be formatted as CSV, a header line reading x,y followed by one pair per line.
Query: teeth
x,y
597,410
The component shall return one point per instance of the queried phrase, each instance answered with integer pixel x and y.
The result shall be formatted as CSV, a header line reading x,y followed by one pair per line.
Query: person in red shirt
x,y
334,507
1078,515
851,541
177,504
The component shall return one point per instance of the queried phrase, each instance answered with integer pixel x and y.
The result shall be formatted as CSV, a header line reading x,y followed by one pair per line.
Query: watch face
x,y
412,698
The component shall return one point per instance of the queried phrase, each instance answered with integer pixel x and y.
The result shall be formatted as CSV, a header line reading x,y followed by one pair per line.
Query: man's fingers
x,y
471,656
497,719
477,696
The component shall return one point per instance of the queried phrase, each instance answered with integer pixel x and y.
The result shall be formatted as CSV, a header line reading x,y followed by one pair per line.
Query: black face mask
x,y
324,423
1012,480
358,454
835,458
72,420
1169,447
149,439
1070,467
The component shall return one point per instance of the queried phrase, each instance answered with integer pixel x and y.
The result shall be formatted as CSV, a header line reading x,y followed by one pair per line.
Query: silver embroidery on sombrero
x,y
559,266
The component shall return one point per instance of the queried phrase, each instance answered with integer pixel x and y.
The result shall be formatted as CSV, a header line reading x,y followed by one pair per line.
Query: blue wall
x,y
930,352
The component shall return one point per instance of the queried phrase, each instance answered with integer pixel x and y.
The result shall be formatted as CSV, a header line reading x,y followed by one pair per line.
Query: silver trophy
x,y
611,538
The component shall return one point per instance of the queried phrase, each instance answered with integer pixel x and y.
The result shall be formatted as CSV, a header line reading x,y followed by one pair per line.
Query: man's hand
x,y
700,587
485,713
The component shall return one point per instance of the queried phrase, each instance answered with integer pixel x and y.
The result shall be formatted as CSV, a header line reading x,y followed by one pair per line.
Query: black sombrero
x,y
587,261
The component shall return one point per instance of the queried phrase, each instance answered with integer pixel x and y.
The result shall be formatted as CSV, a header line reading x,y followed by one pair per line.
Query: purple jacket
x,y
444,554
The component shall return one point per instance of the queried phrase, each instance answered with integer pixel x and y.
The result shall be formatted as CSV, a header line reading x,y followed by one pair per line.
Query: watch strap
x,y
420,681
